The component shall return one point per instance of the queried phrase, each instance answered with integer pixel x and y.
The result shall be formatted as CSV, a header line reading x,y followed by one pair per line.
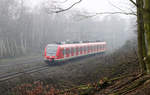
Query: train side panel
x,y
65,52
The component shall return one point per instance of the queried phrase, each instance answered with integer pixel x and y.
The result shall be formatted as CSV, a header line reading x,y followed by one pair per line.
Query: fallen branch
x,y
133,85
121,77
128,82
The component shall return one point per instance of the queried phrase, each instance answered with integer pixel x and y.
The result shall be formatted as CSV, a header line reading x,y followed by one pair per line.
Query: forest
x,y
26,29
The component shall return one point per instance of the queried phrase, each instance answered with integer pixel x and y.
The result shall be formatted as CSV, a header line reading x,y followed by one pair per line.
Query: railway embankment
x,y
115,74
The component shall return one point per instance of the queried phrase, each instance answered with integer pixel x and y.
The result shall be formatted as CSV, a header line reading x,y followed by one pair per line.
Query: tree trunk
x,y
141,37
146,16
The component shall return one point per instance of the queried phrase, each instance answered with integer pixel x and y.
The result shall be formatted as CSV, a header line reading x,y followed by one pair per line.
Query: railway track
x,y
9,76
6,64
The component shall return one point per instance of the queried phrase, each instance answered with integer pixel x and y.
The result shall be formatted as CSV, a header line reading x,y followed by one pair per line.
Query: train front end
x,y
50,53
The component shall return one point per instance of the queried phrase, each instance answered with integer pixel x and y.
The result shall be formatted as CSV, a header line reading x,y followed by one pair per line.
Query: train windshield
x,y
51,50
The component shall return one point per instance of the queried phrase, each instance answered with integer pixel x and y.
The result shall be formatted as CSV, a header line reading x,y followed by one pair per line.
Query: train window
x,y
94,48
74,50
81,49
90,48
68,51
51,50
87,48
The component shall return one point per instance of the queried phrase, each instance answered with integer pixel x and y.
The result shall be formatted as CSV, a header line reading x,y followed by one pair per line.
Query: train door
x,y
84,50
72,51
59,54
88,49
67,52
77,51
64,52
81,50
92,49
95,47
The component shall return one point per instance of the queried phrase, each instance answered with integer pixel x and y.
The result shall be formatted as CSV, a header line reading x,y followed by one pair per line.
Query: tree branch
x,y
120,8
126,13
111,13
105,13
63,1
133,2
115,6
62,10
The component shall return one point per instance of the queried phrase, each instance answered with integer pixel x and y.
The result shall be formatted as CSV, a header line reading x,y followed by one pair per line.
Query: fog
x,y
24,32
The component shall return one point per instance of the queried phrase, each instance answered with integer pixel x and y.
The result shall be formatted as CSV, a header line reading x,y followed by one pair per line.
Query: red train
x,y
62,52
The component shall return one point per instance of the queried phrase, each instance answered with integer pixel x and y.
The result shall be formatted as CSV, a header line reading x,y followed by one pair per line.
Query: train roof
x,y
81,44
76,44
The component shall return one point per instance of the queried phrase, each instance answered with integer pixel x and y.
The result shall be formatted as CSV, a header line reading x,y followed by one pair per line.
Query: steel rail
x,y
26,71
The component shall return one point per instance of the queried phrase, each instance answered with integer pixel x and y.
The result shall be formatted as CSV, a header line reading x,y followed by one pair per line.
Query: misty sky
x,y
88,5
